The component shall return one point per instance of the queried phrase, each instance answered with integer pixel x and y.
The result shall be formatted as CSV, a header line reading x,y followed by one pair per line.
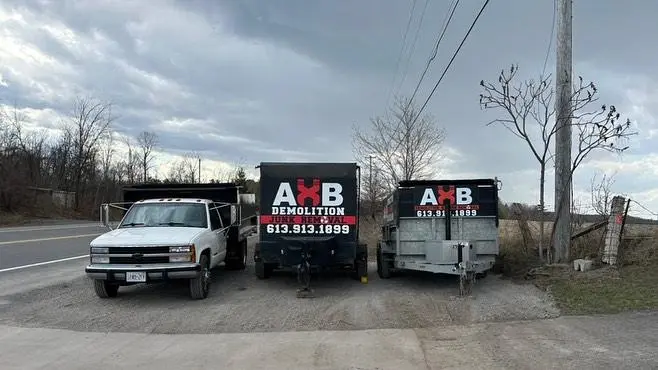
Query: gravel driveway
x,y
239,302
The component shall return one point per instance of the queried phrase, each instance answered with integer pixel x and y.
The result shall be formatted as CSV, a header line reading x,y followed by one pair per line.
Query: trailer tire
x,y
200,286
263,271
105,289
383,266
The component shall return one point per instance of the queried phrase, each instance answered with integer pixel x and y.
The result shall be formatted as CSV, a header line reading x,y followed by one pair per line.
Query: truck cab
x,y
171,236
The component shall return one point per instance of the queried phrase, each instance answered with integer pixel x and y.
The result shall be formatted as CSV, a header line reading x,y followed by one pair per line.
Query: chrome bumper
x,y
159,271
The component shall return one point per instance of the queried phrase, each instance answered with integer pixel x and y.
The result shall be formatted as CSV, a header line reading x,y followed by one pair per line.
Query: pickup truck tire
x,y
239,262
105,289
200,286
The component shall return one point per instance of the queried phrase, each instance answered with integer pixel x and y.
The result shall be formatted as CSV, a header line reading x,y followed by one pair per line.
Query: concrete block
x,y
582,265
585,265
576,264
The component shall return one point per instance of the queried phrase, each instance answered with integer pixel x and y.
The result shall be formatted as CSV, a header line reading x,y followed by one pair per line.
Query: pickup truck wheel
x,y
199,287
105,289
239,262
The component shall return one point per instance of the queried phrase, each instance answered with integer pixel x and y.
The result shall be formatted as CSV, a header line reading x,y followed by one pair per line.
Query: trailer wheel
x,y
383,266
105,289
200,286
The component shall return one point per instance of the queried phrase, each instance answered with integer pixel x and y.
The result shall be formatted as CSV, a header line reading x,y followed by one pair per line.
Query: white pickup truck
x,y
167,233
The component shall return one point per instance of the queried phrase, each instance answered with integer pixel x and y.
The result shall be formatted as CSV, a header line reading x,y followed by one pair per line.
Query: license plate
x,y
136,277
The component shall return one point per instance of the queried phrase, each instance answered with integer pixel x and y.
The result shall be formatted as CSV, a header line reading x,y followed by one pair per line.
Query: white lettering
x,y
308,211
331,194
428,198
284,194
464,196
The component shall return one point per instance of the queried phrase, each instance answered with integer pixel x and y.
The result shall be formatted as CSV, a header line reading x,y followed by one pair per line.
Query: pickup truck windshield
x,y
166,214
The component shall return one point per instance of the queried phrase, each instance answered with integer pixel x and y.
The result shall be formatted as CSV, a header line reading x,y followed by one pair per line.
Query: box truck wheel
x,y
105,289
383,266
263,270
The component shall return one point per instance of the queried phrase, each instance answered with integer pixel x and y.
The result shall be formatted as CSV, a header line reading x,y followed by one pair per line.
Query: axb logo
x,y
328,194
454,195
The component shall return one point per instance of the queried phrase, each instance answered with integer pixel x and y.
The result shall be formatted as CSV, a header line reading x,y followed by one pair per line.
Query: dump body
x,y
308,205
436,225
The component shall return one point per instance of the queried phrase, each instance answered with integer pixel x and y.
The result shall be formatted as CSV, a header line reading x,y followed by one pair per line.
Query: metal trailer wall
x,y
420,237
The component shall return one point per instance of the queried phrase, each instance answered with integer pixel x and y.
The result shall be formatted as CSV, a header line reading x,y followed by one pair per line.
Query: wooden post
x,y
613,230
563,105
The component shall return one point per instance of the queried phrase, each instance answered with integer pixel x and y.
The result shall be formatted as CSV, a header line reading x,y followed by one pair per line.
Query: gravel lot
x,y
239,302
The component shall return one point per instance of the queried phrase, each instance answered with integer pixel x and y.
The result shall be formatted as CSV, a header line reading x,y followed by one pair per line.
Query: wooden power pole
x,y
563,108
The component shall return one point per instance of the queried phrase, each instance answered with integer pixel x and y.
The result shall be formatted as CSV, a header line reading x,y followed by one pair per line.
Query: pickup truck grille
x,y
144,250
144,260
139,255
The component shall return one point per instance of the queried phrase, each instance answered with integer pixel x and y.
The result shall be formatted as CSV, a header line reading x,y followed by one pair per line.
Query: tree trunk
x,y
542,180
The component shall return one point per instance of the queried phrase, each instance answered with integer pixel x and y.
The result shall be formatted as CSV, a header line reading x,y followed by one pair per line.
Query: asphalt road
x,y
29,245
408,322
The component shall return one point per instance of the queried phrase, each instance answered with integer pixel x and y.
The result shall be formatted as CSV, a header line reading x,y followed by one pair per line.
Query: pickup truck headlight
x,y
185,249
100,255
182,254
100,259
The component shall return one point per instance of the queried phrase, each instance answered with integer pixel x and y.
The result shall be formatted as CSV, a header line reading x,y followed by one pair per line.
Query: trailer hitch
x,y
304,272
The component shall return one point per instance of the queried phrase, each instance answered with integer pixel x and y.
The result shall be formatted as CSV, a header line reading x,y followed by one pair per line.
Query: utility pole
x,y
563,108
199,170
371,190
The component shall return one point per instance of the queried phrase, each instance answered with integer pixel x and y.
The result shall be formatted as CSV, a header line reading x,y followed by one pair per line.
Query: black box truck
x,y
309,220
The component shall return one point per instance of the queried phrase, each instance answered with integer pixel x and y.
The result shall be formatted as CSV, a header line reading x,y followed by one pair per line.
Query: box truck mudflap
x,y
309,219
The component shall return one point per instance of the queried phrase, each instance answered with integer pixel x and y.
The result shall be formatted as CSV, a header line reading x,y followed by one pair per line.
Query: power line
x,y
413,45
645,208
404,42
446,23
550,40
445,70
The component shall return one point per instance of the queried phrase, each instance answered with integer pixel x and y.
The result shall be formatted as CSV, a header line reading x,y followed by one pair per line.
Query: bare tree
x,y
528,111
601,192
147,142
107,155
89,124
131,163
403,145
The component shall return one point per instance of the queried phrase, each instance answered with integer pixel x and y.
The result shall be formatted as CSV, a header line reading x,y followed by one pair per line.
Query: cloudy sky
x,y
244,81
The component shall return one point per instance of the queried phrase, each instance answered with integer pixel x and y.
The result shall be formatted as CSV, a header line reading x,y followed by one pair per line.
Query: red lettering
x,y
446,194
312,192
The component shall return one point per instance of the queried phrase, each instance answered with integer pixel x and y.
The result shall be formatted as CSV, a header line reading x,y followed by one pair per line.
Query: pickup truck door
x,y
219,233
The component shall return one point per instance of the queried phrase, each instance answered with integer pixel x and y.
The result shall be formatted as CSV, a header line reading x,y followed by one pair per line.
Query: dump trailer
x,y
441,226
171,231
309,220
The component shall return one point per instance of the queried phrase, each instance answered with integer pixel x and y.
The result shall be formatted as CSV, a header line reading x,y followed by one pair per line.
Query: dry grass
x,y
10,219
630,286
